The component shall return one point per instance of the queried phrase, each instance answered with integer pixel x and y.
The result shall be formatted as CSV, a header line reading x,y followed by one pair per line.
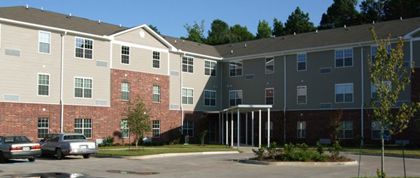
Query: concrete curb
x,y
303,164
167,155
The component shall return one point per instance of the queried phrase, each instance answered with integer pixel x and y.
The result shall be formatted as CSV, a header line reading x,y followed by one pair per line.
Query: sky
x,y
170,16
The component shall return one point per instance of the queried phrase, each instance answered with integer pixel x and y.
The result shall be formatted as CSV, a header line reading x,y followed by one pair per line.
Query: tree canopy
x,y
219,33
138,120
240,33
195,32
340,13
298,22
278,28
263,30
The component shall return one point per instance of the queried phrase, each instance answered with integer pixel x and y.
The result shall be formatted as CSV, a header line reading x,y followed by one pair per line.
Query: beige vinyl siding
x,y
79,67
174,82
135,37
19,74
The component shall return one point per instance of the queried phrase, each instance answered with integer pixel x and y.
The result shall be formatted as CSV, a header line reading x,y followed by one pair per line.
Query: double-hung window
x,y
156,94
156,59
210,68
156,128
125,54
209,97
235,97
188,128
44,42
43,84
269,65
187,95
82,87
43,127
83,126
269,96
301,62
344,93
344,58
301,129
235,69
84,48
345,130
188,64
125,91
301,94
124,128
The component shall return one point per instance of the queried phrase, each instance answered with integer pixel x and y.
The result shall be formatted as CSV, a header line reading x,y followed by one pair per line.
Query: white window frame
x,y
188,65
124,128
156,128
83,128
186,95
342,130
306,94
210,68
125,55
238,93
125,90
43,127
38,84
236,68
84,53
39,41
156,93
265,95
297,62
344,99
215,98
156,59
301,129
272,63
83,87
188,126
344,57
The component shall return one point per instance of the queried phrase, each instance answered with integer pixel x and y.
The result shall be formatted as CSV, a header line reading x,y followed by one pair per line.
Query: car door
x,y
50,143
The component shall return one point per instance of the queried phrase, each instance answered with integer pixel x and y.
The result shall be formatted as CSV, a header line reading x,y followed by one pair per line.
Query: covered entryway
x,y
230,131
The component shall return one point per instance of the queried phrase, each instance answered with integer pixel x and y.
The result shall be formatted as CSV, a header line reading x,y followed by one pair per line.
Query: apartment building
x,y
64,73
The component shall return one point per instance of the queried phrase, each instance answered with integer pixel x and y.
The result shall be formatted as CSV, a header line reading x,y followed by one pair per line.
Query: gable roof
x,y
337,36
194,47
53,19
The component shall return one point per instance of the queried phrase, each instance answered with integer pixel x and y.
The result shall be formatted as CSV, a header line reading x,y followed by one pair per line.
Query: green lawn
x,y
151,150
388,151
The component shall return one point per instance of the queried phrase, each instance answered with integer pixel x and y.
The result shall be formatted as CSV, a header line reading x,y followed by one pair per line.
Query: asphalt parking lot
x,y
217,166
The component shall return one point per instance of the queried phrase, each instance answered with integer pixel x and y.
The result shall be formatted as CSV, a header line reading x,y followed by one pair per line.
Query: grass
x,y
151,150
388,177
388,151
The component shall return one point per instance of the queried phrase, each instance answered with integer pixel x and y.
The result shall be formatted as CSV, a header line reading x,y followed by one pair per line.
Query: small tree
x,y
391,77
334,125
138,120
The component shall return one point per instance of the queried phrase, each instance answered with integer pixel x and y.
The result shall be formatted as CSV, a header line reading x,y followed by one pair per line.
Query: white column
x,y
268,127
227,128
246,128
238,116
231,129
259,129
252,128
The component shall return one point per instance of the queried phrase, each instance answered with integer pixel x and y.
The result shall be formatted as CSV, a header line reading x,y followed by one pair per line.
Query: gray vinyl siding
x,y
416,53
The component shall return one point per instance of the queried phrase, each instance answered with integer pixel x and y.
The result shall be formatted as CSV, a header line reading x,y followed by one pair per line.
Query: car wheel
x,y
59,154
87,156
31,159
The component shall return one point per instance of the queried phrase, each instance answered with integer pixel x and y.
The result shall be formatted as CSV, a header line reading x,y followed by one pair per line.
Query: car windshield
x,y
16,139
74,137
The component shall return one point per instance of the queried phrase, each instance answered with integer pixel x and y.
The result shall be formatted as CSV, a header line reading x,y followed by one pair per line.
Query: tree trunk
x,y
382,151
137,142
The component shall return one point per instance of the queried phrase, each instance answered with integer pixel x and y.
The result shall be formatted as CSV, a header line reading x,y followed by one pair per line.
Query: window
x,y
43,127
345,131
269,96
125,54
84,48
269,65
125,91
210,68
301,94
44,42
209,98
83,126
156,94
344,58
376,131
156,59
344,93
301,129
374,88
187,95
124,128
235,69
188,128
156,128
235,97
188,64
83,88
43,84
301,62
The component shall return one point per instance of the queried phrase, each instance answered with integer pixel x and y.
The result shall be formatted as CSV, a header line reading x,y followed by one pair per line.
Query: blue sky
x,y
170,16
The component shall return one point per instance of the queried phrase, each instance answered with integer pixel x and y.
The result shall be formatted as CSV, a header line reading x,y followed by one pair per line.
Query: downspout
x,y
61,83
362,119
284,98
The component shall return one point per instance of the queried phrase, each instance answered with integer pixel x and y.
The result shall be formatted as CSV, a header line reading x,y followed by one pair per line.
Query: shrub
x,y
108,141
272,150
300,152
319,148
335,150
259,153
